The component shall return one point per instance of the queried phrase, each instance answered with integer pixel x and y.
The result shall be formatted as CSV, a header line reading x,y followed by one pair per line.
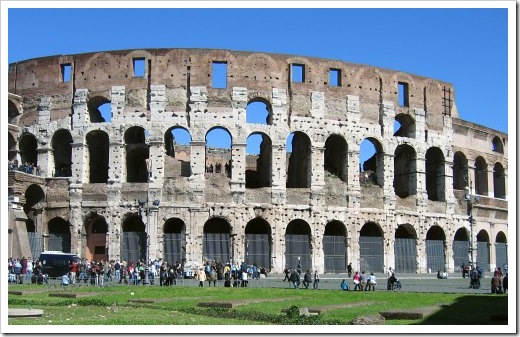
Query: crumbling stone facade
x,y
99,187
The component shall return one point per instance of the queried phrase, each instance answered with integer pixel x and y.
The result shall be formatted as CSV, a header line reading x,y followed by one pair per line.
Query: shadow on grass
x,y
472,310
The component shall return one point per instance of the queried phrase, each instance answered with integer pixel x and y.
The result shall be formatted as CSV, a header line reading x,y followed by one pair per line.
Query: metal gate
x,y
59,242
405,252
483,255
258,250
298,245
460,254
133,246
174,249
216,247
371,253
335,251
435,258
501,254
36,244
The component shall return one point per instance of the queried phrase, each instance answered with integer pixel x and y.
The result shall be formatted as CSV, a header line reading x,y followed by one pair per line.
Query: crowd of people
x,y
25,167
131,272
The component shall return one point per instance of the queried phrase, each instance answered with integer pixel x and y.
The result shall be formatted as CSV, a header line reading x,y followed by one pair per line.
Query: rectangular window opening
x,y
139,67
297,73
402,93
335,77
66,72
219,75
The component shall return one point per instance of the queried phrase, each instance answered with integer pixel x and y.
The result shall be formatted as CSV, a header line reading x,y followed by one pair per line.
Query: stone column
x,y
118,103
80,163
387,171
354,189
198,160
80,115
422,194
387,118
76,217
238,169
490,180
117,162
279,175
157,102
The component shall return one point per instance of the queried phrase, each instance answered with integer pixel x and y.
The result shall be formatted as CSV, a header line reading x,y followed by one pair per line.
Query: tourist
x,y
344,285
371,283
357,281
316,280
307,278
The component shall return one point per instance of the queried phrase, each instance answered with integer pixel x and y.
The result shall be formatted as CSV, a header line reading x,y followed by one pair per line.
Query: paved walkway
x,y
410,283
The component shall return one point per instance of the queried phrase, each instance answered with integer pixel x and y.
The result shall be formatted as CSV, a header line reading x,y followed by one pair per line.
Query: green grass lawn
x,y
117,305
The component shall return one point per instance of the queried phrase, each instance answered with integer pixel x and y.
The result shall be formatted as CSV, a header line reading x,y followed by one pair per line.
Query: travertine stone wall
x,y
176,90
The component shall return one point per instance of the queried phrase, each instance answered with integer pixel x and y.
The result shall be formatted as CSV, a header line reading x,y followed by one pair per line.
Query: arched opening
x,y
258,244
371,164
499,181
137,151
218,151
300,160
435,249
98,148
174,244
59,235
405,249
404,126
259,111
371,251
481,181
460,171
97,228
298,247
497,145
336,157
177,148
405,171
501,249
34,204
435,175
217,240
461,245
483,253
259,151
99,109
133,245
28,153
62,149
13,113
335,247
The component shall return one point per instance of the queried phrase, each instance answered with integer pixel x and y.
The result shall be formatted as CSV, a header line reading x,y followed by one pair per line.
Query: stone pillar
x,y
387,171
157,102
448,187
198,102
490,180
80,115
238,169
387,118
153,231
76,217
239,104
389,246
422,194
118,103
279,175
117,162
195,234
354,189
45,157
421,255
318,178
80,163
420,124
353,110
279,106
156,155
198,160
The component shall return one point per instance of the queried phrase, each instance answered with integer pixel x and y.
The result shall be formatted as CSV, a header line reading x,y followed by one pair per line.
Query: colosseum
x,y
122,185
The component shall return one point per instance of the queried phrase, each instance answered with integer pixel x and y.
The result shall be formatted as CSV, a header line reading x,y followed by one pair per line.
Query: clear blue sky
x,y
466,47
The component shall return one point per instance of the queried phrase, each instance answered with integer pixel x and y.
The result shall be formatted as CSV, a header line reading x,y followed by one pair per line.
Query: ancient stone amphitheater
x,y
122,186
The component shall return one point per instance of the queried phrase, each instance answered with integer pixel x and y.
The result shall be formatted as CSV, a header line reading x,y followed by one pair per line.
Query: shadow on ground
x,y
474,310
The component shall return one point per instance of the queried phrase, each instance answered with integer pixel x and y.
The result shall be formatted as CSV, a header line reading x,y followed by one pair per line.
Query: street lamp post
x,y
470,201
